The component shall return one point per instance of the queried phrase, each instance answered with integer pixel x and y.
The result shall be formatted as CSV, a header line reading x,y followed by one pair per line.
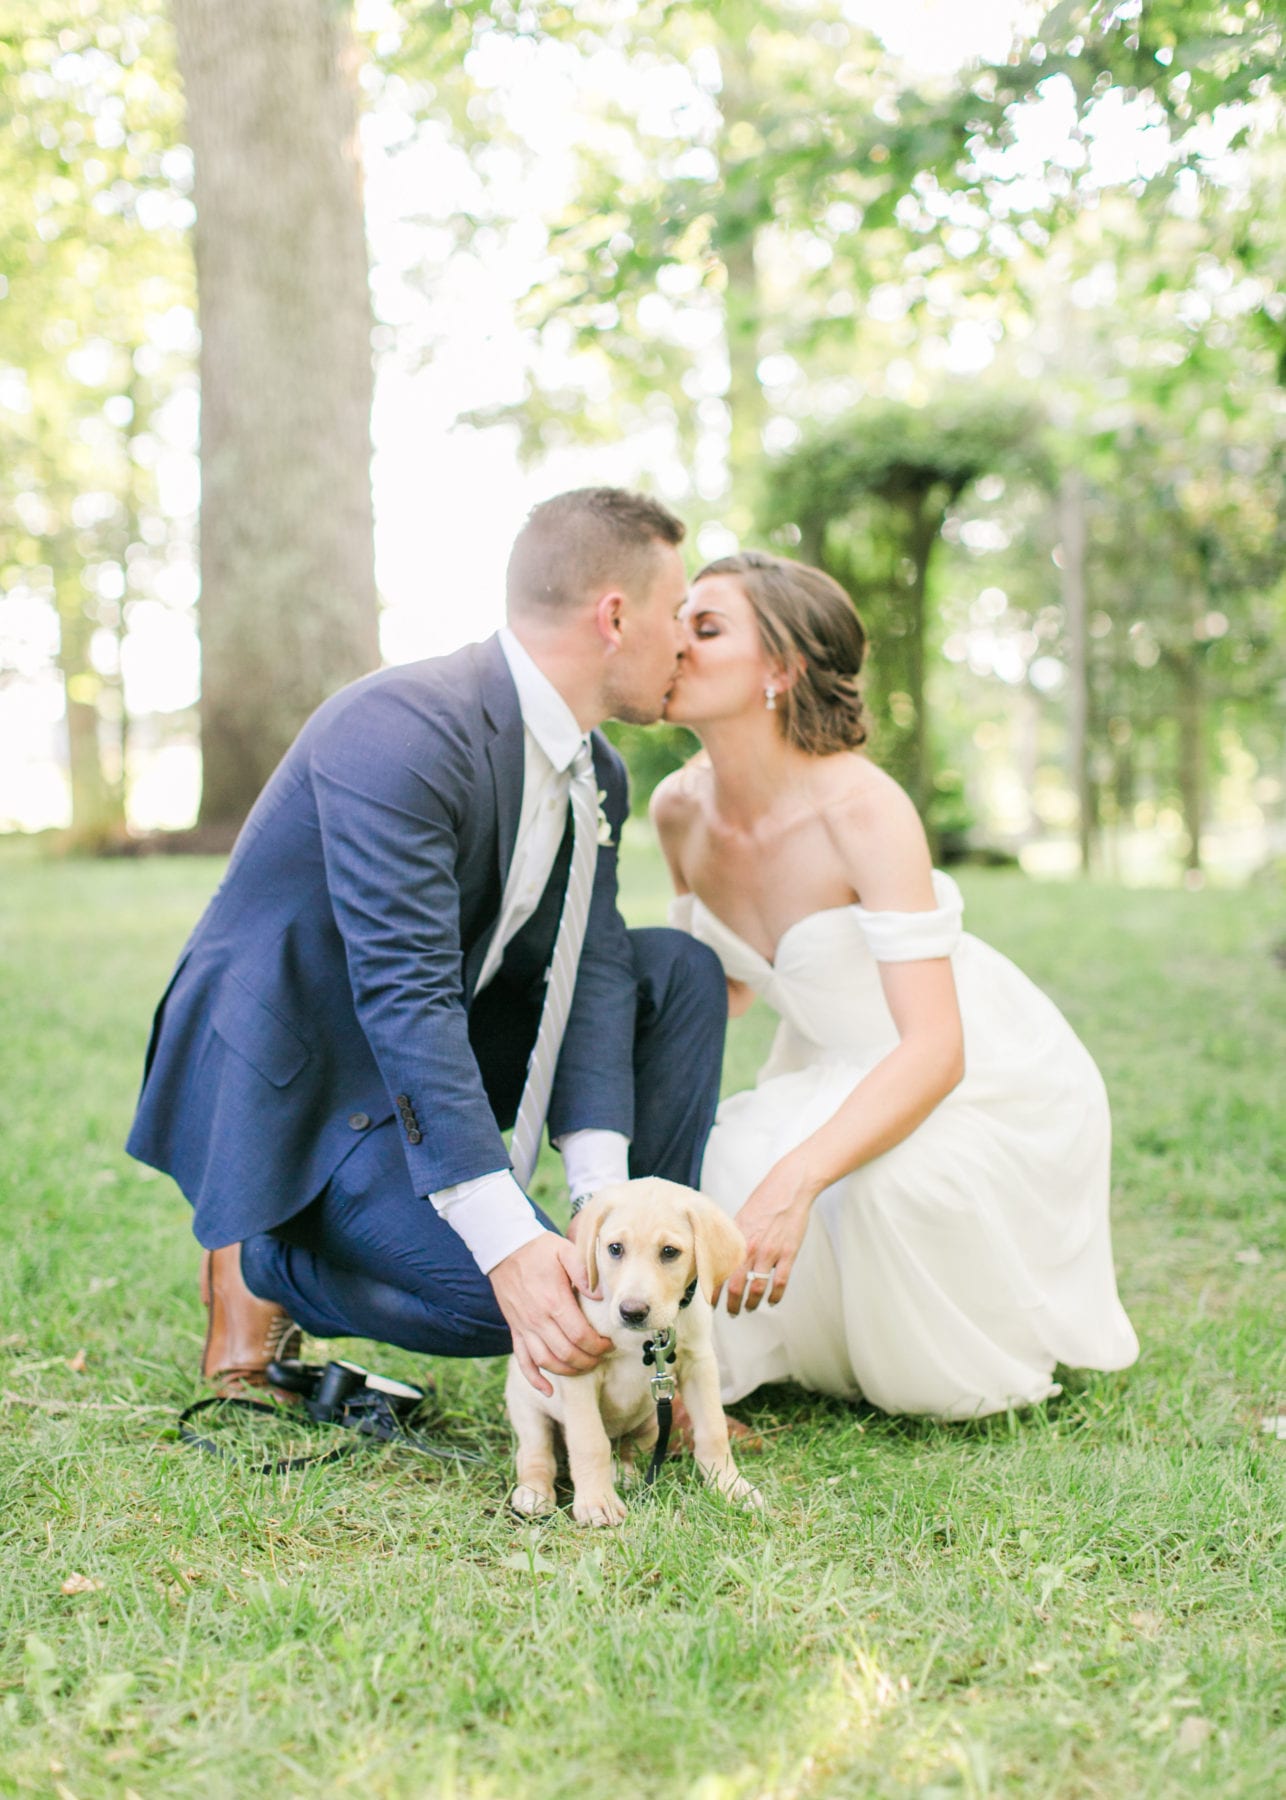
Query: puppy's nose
x,y
634,1312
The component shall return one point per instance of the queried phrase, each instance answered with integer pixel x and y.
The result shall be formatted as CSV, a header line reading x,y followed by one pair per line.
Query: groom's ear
x,y
719,1244
609,609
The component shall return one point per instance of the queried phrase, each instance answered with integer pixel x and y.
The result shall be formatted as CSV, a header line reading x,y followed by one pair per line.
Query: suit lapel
x,y
505,759
505,750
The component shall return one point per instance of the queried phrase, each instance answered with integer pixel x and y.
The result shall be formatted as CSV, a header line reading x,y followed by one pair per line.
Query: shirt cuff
x,y
593,1159
492,1215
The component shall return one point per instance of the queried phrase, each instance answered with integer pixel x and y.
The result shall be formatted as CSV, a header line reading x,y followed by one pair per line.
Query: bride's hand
x,y
773,1222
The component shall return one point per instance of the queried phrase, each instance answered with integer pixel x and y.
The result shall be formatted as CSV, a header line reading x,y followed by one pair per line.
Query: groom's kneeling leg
x,y
678,1052
369,1259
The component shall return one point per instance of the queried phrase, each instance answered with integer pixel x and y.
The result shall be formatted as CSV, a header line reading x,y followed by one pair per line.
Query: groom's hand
x,y
535,1288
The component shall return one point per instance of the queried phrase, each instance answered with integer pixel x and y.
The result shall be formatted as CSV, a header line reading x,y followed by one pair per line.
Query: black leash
x,y
340,1393
279,1465
659,1353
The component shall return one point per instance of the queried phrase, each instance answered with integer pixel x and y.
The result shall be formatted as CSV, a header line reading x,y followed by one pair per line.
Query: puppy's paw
x,y
531,1502
732,1484
745,1494
599,1509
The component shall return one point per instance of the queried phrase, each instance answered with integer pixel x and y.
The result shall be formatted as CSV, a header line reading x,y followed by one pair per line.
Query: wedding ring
x,y
755,1275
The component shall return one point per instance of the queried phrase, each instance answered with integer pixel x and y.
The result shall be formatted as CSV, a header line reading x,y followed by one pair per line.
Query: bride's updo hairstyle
x,y
807,622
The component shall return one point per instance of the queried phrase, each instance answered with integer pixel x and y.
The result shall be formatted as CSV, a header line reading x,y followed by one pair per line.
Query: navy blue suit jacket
x,y
335,967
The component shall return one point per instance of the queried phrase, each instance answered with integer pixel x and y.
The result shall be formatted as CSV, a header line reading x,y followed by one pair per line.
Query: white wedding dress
x,y
951,1274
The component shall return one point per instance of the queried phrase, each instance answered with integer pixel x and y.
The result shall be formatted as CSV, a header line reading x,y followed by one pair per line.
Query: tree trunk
x,y
745,396
1072,532
288,604
926,523
97,803
1188,717
735,243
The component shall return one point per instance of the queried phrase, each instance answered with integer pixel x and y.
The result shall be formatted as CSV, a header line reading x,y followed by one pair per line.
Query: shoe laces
x,y
283,1338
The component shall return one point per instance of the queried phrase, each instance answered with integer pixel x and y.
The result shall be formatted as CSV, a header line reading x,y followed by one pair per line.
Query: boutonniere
x,y
604,823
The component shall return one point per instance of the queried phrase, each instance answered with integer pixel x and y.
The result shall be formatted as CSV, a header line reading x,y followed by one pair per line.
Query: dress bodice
x,y
823,979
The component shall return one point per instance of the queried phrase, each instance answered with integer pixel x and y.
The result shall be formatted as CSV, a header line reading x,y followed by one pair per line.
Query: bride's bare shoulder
x,y
677,805
877,831
679,799
856,792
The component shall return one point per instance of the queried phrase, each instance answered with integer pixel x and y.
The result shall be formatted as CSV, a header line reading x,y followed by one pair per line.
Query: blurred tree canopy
x,y
96,335
1005,348
788,254
867,500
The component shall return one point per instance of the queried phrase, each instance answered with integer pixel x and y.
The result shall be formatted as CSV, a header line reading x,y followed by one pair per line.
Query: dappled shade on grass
x,y
1085,1598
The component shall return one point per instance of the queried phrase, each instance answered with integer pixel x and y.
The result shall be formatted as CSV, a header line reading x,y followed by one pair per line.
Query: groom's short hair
x,y
584,541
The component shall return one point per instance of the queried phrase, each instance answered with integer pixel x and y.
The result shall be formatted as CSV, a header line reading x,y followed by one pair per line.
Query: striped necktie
x,y
525,1145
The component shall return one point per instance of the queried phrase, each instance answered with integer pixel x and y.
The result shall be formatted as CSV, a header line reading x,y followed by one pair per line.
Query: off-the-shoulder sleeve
x,y
916,936
679,914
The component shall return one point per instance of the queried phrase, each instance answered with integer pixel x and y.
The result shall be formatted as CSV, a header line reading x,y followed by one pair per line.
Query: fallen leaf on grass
x,y
1149,1623
81,1584
1193,1733
106,1696
77,1364
529,1562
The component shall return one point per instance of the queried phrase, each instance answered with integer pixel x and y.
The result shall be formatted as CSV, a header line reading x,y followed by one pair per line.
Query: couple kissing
x,y
416,946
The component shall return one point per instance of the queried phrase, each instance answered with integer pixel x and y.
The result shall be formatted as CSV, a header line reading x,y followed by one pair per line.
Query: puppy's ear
x,y
720,1246
591,1217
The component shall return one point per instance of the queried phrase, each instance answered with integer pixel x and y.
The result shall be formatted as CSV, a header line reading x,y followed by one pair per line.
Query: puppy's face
x,y
645,1242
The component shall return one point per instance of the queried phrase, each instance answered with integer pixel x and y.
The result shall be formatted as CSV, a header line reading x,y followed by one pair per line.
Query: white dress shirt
x,y
491,1212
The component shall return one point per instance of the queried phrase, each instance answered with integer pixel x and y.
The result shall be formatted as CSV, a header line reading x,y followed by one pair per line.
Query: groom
x,y
415,944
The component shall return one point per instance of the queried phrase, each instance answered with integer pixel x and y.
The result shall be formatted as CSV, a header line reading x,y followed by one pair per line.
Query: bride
x,y
922,1170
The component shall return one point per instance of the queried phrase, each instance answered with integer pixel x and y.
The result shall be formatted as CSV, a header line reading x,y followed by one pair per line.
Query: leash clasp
x,y
658,1352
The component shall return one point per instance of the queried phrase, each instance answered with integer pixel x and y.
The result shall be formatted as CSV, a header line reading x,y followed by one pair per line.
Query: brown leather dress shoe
x,y
243,1333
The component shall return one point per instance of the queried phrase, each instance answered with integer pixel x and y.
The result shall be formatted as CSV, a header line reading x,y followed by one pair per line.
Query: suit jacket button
x,y
359,1121
414,1136
403,1100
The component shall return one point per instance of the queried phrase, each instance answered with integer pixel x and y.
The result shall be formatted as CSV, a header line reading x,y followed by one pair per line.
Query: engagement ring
x,y
754,1275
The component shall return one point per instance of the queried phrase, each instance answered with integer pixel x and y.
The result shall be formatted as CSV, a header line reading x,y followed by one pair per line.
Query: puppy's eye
x,y
616,1249
669,1252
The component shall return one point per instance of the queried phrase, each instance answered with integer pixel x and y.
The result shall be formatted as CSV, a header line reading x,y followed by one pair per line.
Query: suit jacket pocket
x,y
266,1042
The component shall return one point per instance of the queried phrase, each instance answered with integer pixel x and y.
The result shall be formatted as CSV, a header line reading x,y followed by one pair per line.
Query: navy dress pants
x,y
370,1258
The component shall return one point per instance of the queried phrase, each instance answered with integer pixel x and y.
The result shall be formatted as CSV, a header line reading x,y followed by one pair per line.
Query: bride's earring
x,y
770,699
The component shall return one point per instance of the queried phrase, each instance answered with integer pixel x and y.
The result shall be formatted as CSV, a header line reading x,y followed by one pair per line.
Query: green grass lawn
x,y
1089,1599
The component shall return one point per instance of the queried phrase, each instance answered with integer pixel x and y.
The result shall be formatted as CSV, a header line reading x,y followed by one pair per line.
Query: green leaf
x,y
1061,21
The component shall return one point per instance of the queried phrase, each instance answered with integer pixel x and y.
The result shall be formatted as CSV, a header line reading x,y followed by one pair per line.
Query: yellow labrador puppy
x,y
651,1246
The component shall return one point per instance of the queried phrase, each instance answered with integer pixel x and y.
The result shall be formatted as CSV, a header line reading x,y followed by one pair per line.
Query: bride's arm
x,y
882,844
902,1090
884,850
887,1104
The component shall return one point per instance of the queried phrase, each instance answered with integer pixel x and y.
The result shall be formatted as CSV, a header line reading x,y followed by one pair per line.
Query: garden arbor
x,y
868,499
